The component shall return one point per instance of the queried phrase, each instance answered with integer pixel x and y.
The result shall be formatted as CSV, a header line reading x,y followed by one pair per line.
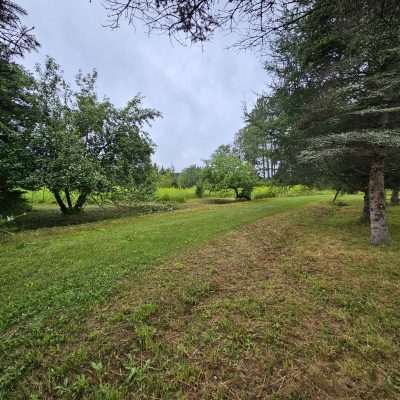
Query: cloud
x,y
199,89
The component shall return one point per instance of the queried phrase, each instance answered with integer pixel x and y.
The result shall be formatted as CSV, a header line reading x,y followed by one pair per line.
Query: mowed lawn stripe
x,y
50,278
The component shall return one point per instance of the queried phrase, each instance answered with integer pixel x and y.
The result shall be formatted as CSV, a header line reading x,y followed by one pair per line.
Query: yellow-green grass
x,y
269,191
182,195
204,303
173,195
178,195
40,196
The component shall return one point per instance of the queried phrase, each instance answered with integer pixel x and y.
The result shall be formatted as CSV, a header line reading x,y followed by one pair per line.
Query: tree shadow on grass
x,y
49,217
224,201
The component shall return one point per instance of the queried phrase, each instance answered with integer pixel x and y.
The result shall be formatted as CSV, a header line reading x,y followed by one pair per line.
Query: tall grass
x,y
176,195
41,196
269,191
181,195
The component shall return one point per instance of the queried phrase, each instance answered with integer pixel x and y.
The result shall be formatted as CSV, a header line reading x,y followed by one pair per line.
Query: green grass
x,y
177,195
51,278
181,195
270,191
203,303
47,216
174,195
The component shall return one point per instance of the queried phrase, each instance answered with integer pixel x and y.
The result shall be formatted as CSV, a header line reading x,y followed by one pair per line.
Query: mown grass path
x,y
50,279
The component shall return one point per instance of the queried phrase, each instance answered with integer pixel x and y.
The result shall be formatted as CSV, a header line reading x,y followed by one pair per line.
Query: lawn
x,y
279,298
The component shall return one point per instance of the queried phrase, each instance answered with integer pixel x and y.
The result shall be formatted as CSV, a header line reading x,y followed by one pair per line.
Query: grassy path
x,y
51,278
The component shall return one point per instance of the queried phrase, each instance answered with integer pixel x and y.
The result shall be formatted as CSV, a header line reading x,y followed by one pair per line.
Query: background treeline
x,y
331,117
333,107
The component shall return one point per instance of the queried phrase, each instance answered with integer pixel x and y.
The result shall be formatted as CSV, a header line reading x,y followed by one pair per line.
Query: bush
x,y
199,190
12,203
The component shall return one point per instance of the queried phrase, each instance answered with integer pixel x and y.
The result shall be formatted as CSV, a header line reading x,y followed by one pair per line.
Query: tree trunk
x,y
60,202
336,195
244,194
68,197
394,199
263,166
81,201
365,217
236,192
378,225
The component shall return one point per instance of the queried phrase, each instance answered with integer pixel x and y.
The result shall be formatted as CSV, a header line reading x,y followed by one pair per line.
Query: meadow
x,y
279,298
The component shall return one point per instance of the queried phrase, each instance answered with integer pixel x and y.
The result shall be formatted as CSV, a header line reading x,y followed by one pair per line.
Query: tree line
x,y
333,110
223,171
332,113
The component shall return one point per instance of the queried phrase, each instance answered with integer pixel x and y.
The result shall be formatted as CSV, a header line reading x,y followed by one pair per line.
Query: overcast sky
x,y
200,90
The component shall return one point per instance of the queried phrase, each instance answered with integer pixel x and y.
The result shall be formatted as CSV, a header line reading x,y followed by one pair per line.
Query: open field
x,y
272,299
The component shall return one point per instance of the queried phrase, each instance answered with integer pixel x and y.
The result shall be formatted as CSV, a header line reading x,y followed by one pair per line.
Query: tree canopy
x,y
334,100
15,38
226,171
66,139
84,145
190,176
256,22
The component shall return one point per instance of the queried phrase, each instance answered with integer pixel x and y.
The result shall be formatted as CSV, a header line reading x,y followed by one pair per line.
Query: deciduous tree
x,y
226,171
83,145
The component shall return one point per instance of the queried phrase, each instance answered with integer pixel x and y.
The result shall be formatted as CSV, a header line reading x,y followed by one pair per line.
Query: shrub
x,y
12,203
199,190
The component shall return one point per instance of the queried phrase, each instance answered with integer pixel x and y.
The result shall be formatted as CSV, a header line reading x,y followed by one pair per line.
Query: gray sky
x,y
199,89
